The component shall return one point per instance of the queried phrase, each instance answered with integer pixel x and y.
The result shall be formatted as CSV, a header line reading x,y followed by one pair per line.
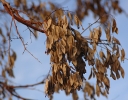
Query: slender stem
x,y
90,25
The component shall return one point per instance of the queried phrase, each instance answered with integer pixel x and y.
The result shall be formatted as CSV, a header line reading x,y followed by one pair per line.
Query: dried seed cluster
x,y
69,51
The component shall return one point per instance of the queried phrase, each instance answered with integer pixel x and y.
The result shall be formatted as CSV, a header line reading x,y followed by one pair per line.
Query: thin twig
x,y
33,56
30,34
31,85
90,25
9,43
98,43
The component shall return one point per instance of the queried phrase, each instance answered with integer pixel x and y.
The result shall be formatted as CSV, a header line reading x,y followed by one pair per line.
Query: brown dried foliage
x,y
69,51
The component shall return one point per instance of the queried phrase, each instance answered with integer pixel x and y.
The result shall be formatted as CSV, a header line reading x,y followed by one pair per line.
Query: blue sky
x,y
28,70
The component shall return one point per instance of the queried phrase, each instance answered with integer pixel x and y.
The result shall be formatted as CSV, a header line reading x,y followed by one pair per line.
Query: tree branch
x,y
16,16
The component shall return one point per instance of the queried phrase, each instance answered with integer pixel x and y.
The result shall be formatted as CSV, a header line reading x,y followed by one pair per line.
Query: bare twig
x,y
90,25
31,85
33,56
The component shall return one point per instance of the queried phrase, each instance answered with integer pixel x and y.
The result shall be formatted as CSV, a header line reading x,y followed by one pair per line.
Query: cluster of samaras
x,y
69,51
